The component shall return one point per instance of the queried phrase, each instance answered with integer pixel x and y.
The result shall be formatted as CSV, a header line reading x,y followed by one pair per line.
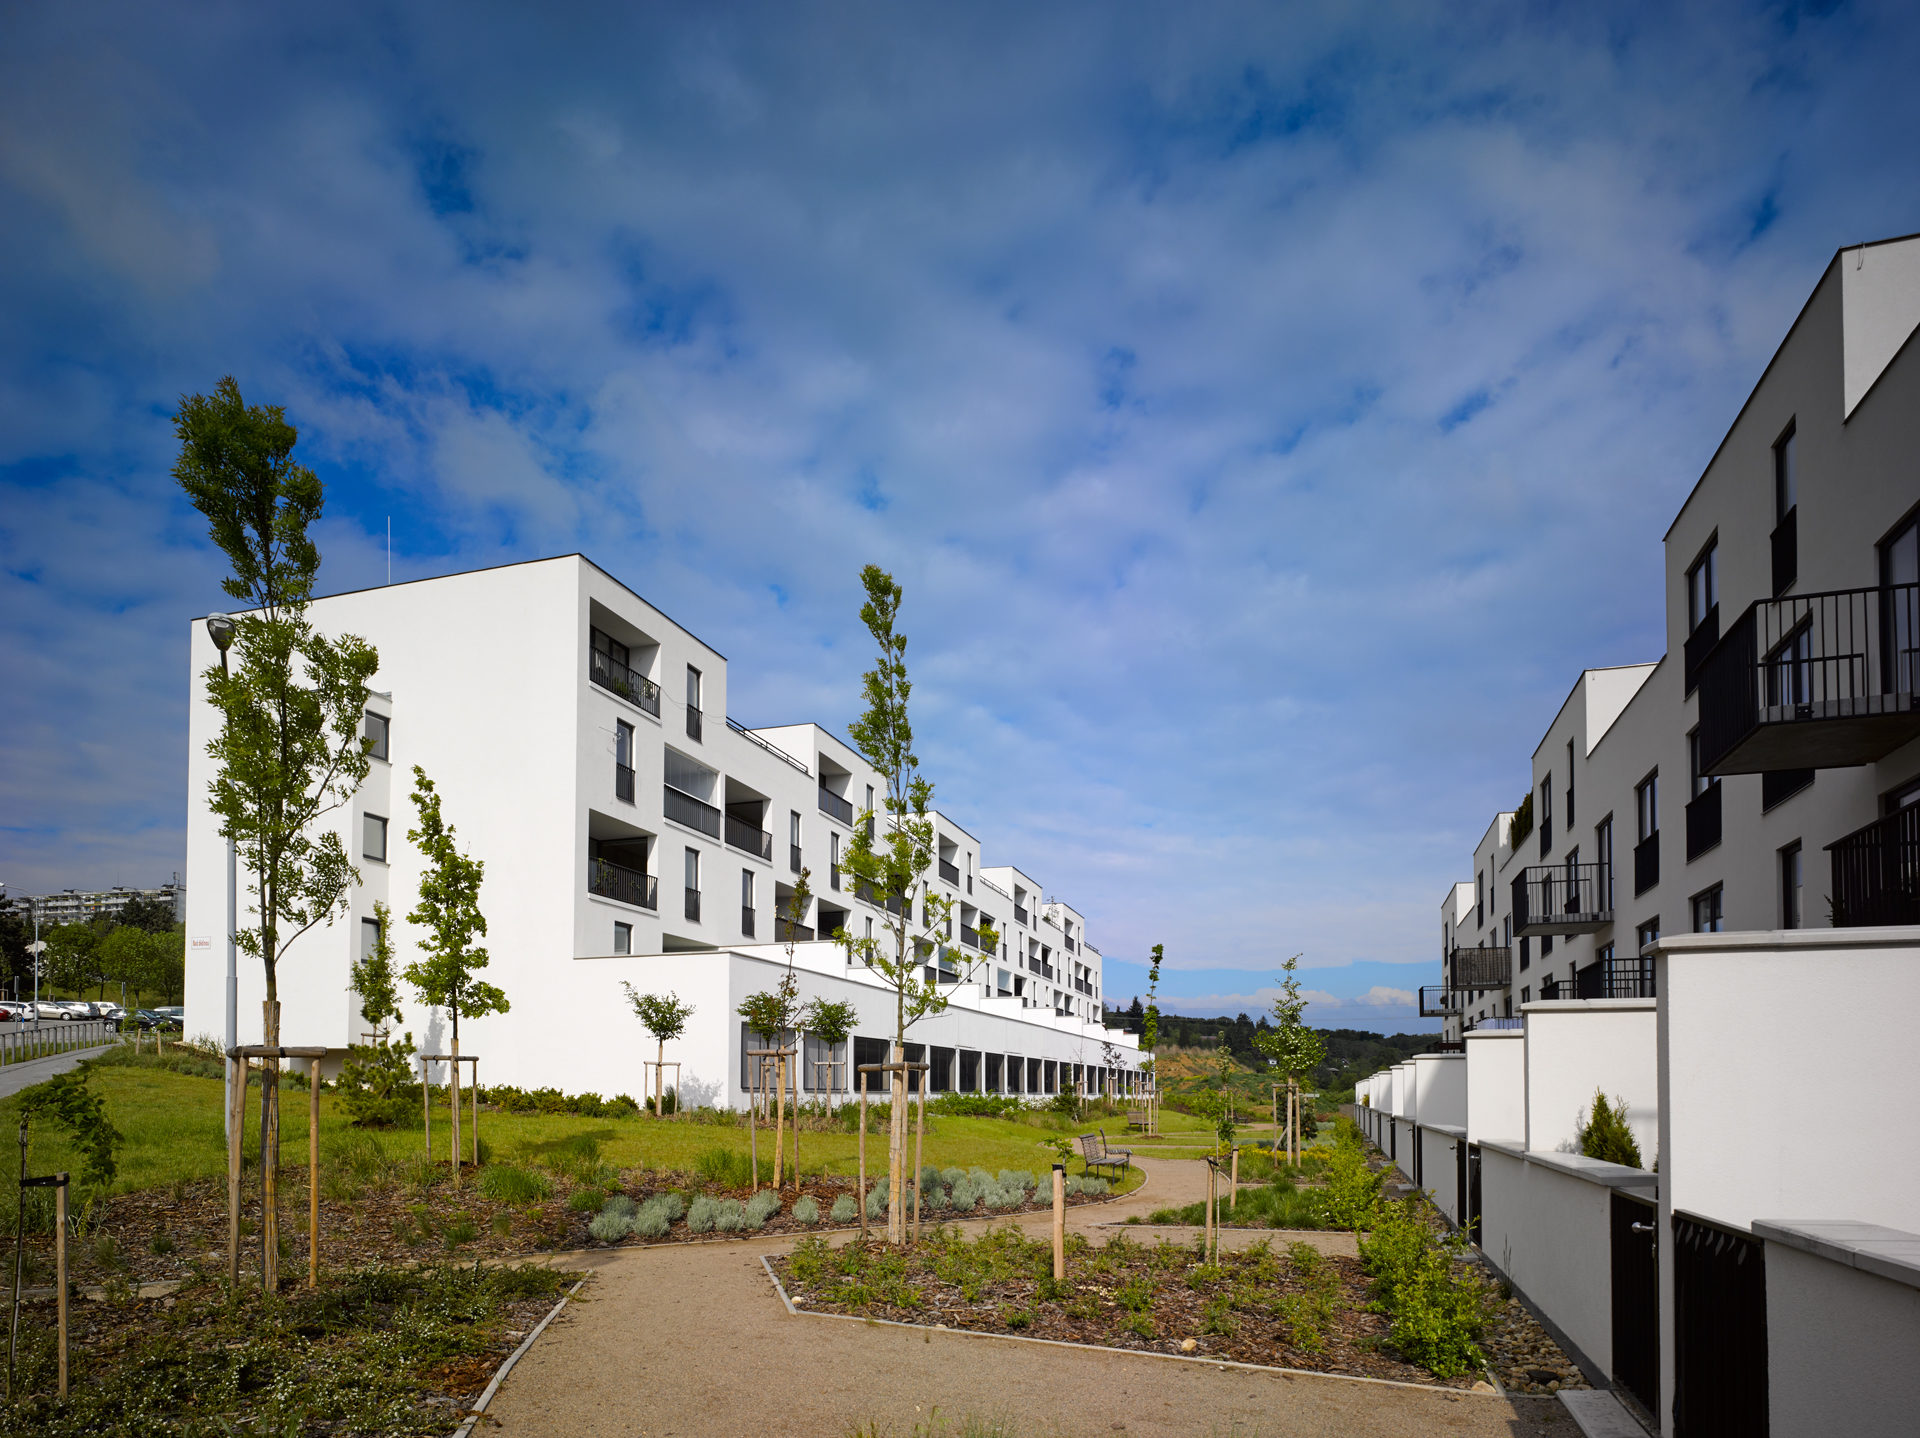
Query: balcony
x,y
1812,681
749,838
785,931
834,807
1786,550
1876,872
693,906
1646,863
1703,821
623,783
631,685
950,872
969,936
1486,967
746,921
693,722
623,885
683,808
1607,979
1562,899
1072,946
1439,1006
1019,915
1699,645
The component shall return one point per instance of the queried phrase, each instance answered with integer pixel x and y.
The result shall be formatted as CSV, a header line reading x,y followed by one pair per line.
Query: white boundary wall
x,y
1575,1046
1497,1086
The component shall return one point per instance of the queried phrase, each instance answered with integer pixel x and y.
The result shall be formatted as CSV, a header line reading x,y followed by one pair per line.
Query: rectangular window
x,y
1603,856
1703,586
746,902
376,735
623,938
869,935
1701,781
1646,803
1708,915
623,743
1783,476
693,702
369,937
373,837
1791,894
1569,786
693,870
1546,815
793,827
1648,933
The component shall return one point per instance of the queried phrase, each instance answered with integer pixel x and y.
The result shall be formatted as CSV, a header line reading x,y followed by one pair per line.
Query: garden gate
x,y
1719,1332
1636,1299
1473,1190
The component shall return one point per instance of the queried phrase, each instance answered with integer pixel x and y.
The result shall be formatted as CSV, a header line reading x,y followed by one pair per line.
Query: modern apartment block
x,y
79,906
1764,773
634,832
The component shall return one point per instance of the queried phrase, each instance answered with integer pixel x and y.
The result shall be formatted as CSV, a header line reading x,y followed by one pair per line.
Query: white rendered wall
x,y
1497,1086
1576,1046
1550,1233
1441,1090
1439,1172
1840,1348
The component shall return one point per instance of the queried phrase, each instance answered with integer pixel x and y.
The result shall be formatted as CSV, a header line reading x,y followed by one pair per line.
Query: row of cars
x,y
25,1011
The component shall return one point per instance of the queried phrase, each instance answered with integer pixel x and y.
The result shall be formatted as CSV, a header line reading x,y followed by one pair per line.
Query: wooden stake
x,y
797,1060
241,1067
473,1090
426,1104
313,1175
780,1124
60,1269
863,1158
919,1151
753,1102
270,1156
1059,1222
1233,1193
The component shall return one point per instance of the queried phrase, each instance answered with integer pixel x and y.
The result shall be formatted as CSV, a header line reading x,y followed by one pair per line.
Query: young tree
x,y
831,1021
889,861
771,1013
1291,1047
666,1019
449,912
373,977
1150,1034
289,750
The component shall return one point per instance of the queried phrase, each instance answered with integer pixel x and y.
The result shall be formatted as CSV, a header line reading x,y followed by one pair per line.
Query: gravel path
x,y
691,1339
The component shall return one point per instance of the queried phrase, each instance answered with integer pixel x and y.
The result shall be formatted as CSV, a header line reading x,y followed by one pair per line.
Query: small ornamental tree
x,y
889,859
1604,1133
831,1021
449,914
290,749
375,1080
665,1017
1291,1048
70,1102
1150,1033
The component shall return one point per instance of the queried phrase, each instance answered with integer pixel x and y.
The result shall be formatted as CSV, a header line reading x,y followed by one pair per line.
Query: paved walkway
x,y
691,1339
14,1077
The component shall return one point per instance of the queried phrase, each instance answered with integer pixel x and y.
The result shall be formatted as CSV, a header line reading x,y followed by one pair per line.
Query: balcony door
x,y
1900,617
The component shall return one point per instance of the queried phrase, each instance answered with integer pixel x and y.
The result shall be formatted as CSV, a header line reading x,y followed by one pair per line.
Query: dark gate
x,y
1636,1300
1460,1181
1473,1189
1719,1332
1419,1148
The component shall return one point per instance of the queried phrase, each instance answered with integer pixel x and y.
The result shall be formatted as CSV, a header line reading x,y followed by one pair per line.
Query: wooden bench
x,y
1137,1121
1094,1153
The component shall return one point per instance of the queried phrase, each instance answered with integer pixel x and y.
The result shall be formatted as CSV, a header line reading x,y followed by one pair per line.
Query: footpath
x,y
691,1339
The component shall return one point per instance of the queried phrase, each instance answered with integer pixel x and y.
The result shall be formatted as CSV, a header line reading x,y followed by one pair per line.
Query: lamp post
x,y
220,628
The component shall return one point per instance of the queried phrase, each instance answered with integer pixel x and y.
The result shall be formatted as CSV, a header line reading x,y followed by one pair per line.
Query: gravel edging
x,y
780,1289
479,1408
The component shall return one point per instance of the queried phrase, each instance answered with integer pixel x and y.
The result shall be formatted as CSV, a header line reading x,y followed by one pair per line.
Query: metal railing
x,y
832,805
786,931
630,684
1072,947
746,921
752,738
1699,645
950,872
628,886
623,783
1562,899
1487,966
683,808
1646,863
970,936
1019,915
1876,872
693,905
1703,821
25,1039
1437,1007
693,722
749,837
1838,668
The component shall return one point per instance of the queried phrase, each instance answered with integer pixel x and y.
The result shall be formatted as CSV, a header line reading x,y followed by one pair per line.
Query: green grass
x,y
1269,1206
172,1126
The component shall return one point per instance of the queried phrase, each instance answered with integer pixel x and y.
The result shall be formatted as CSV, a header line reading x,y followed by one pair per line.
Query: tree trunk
x,y
660,1082
897,1149
270,1146
780,1126
453,1092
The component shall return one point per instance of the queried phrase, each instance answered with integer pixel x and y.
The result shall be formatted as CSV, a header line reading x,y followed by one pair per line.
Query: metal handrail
x,y
780,754
684,808
836,807
1876,872
949,872
749,838
627,886
629,683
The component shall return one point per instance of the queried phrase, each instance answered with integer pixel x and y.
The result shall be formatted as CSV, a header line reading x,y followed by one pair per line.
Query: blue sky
x,y
1269,410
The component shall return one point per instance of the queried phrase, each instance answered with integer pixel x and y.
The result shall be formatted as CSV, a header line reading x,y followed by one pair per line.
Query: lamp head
x,y
220,629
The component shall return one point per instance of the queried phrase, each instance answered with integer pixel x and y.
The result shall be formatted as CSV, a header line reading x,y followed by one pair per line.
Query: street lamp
x,y
220,629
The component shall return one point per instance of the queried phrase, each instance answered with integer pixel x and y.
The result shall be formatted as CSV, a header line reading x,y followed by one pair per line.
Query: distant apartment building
x,y
635,833
79,906
1764,773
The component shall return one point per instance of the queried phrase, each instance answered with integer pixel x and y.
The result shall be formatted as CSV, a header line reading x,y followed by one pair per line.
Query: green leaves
x,y
449,911
1290,1045
373,976
69,1102
665,1017
830,1020
1605,1134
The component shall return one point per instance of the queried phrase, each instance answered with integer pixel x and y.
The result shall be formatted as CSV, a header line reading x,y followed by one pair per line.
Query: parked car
x,y
12,1011
174,1012
147,1020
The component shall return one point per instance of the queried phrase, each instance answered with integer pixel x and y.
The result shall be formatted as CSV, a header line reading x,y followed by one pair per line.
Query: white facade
x,y
631,832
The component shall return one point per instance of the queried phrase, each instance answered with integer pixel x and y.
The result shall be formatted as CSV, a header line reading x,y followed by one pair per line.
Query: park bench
x,y
1094,1153
1137,1121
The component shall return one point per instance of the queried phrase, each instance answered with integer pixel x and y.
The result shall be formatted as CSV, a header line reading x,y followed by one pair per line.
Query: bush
x,y
700,1216
378,1086
761,1207
673,1203
1605,1134
964,1195
729,1216
973,1105
611,1227
586,1200
807,1210
650,1222
845,1210
1351,1198
621,1204
504,1183
877,1199
1438,1307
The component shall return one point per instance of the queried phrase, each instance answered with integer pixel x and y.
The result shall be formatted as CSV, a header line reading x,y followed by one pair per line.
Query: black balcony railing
x,y
1434,1003
1812,681
746,921
793,857
1073,946
833,875
1876,872
693,722
683,808
832,805
693,905
1562,899
627,886
1019,914
1489,966
950,872
1786,550
1646,863
1699,645
969,936
786,931
1703,821
752,738
609,673
623,783
750,838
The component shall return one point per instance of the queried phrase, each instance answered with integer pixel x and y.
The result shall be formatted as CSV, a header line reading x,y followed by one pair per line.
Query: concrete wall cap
x,y
1890,1253
1787,940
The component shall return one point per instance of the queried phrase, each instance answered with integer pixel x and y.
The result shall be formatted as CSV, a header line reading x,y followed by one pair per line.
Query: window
x,y
1526,994
1569,785
869,926
1708,914
623,938
746,902
1646,803
1900,623
1783,478
1791,894
693,884
623,761
1701,781
1603,856
1546,815
869,811
693,702
1703,586
376,735
1479,899
373,837
833,857
1648,933
1790,669
369,937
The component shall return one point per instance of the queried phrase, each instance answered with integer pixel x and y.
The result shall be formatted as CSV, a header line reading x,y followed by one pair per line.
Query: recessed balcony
x,y
950,872
1562,899
1812,681
624,885
1488,966
749,837
834,807
683,808
615,676
1876,872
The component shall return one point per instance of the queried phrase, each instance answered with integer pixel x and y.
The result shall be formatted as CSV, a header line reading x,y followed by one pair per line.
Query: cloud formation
x,y
1269,414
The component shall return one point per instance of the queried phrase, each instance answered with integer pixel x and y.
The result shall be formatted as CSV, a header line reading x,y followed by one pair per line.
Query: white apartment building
x,y
79,906
634,832
1763,774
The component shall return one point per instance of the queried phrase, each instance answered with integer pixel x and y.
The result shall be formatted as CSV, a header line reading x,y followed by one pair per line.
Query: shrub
x,y
587,1199
973,1105
761,1207
964,1195
1016,1178
807,1210
1605,1134
650,1222
622,1106
700,1216
673,1203
621,1204
611,1226
729,1216
1438,1308
504,1183
378,1085
845,1210
1351,1198
877,1199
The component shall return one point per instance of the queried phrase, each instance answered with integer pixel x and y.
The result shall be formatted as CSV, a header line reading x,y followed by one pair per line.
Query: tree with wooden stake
x,y
771,1013
666,1019
1150,1037
1292,1048
449,914
830,1021
889,861
290,749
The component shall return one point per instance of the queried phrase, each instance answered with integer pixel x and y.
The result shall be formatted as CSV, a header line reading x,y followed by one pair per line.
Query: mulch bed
x,y
1353,1342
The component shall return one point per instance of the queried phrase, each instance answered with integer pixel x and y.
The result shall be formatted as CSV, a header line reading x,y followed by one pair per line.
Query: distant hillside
x,y
1189,1049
